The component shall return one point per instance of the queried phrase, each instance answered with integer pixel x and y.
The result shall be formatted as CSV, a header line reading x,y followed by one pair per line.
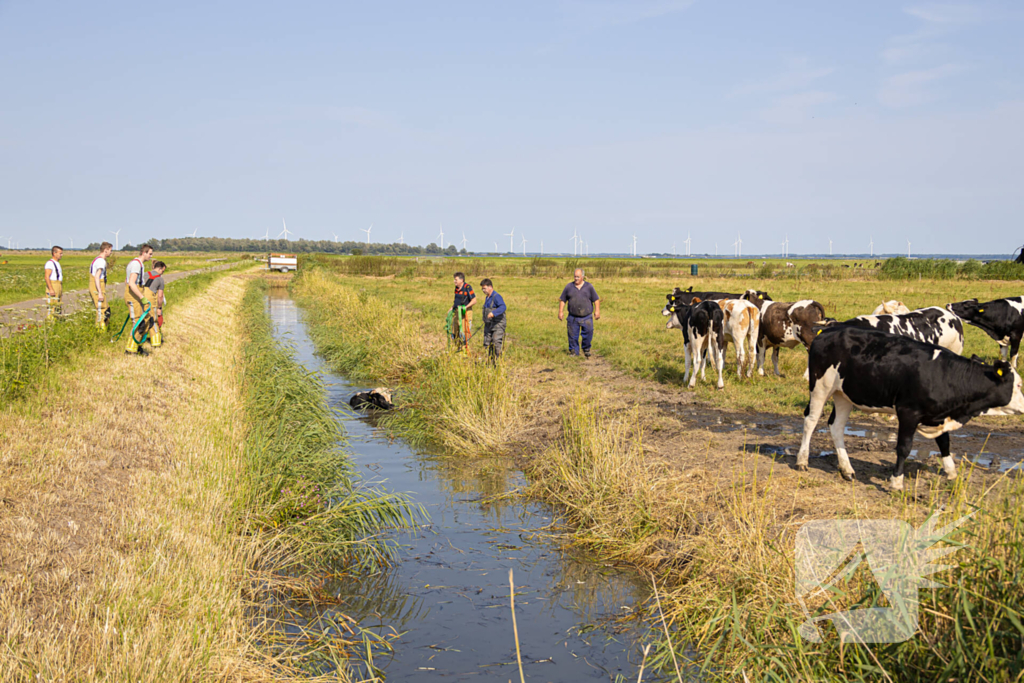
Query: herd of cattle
x,y
895,361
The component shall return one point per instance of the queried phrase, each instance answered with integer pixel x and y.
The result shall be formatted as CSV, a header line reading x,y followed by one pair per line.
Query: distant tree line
x,y
290,246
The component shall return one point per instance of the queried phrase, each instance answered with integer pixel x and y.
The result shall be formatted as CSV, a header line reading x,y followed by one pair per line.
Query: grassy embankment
x,y
143,521
21,277
730,567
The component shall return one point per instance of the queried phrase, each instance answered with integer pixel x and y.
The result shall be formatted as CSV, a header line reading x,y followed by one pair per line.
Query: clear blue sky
x,y
653,117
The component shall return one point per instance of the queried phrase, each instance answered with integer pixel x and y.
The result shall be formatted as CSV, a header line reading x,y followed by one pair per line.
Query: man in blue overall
x,y
494,321
584,309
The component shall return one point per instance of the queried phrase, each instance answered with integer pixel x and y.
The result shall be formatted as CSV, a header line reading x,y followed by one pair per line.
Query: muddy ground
x,y
695,439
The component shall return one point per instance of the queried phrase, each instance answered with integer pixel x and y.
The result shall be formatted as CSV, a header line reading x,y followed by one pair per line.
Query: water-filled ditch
x,y
448,596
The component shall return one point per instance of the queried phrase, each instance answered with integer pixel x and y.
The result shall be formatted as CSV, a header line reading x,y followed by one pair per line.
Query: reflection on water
x,y
449,595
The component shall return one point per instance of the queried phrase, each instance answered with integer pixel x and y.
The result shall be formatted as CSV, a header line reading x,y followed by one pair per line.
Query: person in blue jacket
x,y
494,320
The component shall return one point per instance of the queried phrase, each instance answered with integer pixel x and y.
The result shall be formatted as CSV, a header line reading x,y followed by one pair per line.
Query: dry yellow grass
x,y
119,557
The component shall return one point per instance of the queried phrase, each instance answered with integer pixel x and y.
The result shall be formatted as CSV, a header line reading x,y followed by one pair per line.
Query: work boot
x,y
586,354
132,346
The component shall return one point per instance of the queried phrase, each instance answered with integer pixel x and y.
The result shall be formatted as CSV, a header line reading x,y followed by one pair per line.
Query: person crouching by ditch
x,y
584,309
54,276
134,297
465,297
98,285
153,288
494,321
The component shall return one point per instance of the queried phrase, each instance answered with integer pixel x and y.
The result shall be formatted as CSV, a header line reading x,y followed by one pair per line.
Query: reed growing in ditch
x,y
301,484
446,399
597,472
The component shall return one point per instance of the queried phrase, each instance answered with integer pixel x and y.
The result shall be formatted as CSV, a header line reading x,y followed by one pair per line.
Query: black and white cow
x,y
1002,319
687,296
375,398
932,325
706,330
931,390
702,324
783,324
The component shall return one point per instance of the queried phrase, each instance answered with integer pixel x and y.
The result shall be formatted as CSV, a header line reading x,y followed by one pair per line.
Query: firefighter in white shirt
x,y
54,275
134,297
98,285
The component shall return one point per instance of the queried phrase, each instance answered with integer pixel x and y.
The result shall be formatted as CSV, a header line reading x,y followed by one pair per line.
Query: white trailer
x,y
282,262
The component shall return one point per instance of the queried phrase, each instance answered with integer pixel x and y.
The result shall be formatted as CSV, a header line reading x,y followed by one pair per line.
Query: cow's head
x,y
756,297
966,310
675,309
1003,372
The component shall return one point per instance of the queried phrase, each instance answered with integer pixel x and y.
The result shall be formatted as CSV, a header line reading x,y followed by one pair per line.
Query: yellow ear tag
x,y
818,332
981,310
999,372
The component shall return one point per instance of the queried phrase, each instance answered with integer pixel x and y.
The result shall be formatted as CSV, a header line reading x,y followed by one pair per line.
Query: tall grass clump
x,y
901,268
597,472
301,483
459,405
445,399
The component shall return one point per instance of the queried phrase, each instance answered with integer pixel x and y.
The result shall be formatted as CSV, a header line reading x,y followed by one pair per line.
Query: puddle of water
x,y
448,596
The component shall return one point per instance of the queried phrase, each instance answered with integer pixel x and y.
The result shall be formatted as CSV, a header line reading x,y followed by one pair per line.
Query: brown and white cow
x,y
742,323
783,324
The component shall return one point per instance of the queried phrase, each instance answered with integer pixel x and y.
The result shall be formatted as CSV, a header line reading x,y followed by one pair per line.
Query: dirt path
x,y
698,442
34,310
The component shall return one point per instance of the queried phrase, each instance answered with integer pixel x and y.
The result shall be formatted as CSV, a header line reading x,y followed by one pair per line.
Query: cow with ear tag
x,y
931,390
1001,319
678,314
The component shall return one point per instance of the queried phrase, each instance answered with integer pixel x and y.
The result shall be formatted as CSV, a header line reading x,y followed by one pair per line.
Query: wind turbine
x,y
586,245
524,245
194,232
441,236
634,244
511,245
266,235
716,249
871,247
542,247
575,241
367,231
463,241
117,244
284,232
829,246
673,248
908,248
687,243
335,236
72,242
738,244
495,247
401,238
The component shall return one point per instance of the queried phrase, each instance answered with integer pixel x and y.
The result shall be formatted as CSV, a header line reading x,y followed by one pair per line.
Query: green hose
x,y
135,327
455,315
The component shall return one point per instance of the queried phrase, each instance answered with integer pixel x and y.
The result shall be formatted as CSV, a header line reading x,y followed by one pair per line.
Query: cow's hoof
x,y
848,476
801,468
951,477
720,387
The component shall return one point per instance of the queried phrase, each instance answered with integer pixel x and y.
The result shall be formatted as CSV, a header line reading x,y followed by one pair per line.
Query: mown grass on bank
x,y
449,400
31,360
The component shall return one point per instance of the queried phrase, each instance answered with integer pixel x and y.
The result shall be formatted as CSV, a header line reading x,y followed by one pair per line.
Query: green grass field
x,y
21,273
631,333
